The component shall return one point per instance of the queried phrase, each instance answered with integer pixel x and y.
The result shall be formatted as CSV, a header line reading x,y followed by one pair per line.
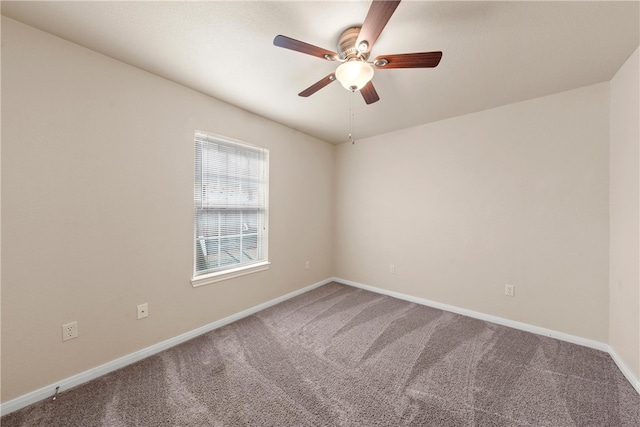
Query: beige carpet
x,y
341,356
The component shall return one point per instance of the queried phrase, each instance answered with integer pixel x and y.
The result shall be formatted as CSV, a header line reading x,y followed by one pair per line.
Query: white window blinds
x,y
230,222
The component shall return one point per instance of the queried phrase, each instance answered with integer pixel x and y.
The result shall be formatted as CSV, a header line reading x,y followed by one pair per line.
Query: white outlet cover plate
x,y
510,290
69,331
143,310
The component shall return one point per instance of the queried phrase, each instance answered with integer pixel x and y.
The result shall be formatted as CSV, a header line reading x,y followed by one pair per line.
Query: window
x,y
231,216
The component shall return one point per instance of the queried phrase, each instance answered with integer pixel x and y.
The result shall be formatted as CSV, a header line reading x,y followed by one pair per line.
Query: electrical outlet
x,y
510,290
143,310
392,269
69,331
307,265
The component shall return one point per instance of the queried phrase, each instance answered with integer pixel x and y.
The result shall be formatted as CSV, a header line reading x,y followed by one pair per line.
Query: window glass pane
x,y
230,222
230,251
207,223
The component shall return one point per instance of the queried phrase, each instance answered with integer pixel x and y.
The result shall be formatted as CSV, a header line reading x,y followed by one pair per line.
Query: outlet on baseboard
x,y
392,269
69,331
307,265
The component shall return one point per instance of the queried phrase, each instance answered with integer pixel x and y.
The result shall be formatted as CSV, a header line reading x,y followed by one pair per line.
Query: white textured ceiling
x,y
494,53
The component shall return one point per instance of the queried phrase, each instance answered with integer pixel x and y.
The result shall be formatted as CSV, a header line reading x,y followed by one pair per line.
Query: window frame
x,y
233,270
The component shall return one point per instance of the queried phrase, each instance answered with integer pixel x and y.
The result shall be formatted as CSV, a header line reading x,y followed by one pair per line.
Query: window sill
x,y
229,274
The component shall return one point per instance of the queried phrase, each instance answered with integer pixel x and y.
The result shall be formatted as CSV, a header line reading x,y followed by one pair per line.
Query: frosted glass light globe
x,y
354,74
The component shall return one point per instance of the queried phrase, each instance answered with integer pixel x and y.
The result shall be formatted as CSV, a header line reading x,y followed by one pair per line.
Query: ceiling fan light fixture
x,y
354,75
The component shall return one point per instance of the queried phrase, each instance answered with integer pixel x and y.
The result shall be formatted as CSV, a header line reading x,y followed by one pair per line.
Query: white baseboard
x,y
505,322
635,382
83,377
481,316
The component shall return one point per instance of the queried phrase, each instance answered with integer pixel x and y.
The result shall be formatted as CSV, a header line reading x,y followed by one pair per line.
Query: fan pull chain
x,y
351,117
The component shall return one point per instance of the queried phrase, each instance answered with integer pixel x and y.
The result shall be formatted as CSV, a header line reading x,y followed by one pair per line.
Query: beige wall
x,y
461,207
97,182
97,161
624,304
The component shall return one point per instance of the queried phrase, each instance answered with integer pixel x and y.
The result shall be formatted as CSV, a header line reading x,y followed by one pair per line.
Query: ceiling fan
x,y
354,47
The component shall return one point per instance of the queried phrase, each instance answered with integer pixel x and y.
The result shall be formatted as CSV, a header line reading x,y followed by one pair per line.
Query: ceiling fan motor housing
x,y
347,45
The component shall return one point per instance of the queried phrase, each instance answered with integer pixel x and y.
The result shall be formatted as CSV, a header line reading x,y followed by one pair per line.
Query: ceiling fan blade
x,y
408,60
318,85
379,14
309,49
369,93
